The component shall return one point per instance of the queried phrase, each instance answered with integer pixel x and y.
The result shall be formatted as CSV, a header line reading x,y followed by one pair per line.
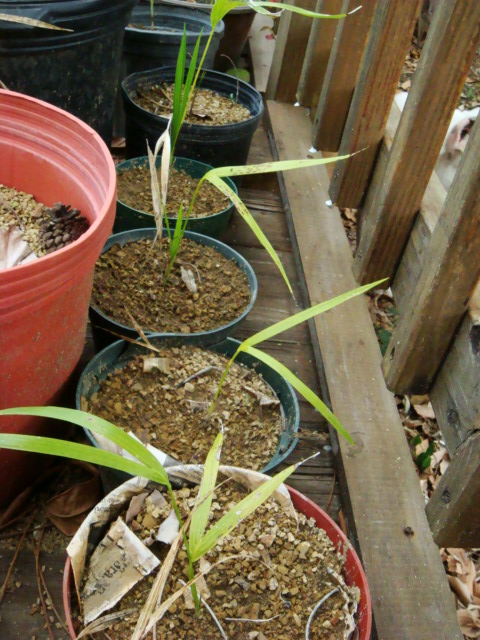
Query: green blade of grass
x,y
199,520
177,88
221,8
252,223
301,387
240,511
288,323
95,425
258,6
270,167
76,451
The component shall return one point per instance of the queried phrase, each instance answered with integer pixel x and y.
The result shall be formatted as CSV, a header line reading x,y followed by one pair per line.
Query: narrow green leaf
x,y
292,321
199,520
177,88
252,223
76,451
240,511
31,22
301,387
270,167
290,7
221,8
95,425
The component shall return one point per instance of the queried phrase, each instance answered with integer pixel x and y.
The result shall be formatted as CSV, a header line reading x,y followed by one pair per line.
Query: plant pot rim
x,y
302,504
141,160
29,105
240,261
208,73
174,34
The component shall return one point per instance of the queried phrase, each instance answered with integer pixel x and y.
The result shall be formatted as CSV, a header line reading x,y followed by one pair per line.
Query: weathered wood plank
x,y
454,509
390,37
442,293
341,75
292,39
391,207
410,594
317,54
455,394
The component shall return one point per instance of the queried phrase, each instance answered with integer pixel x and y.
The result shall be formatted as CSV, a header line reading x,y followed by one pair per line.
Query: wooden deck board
x,y
317,479
410,594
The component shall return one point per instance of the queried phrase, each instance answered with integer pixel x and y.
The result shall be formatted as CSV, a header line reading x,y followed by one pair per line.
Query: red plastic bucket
x,y
44,304
354,573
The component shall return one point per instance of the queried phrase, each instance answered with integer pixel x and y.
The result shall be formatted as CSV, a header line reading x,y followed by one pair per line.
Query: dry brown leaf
x,y
469,621
68,509
425,410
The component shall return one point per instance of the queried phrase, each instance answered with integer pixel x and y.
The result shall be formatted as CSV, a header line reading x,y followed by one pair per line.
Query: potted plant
x,y
39,62
194,531
172,395
219,129
210,216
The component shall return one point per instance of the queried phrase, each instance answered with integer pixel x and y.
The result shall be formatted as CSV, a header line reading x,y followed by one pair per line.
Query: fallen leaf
x,y
469,621
425,410
68,509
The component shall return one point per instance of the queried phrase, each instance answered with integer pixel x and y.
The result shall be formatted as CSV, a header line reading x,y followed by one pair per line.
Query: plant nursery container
x,y
78,70
105,330
353,570
217,145
238,23
213,225
119,353
44,304
145,47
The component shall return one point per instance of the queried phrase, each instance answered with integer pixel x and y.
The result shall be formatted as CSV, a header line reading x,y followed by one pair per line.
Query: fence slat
x,y
441,295
454,509
390,36
292,39
455,394
341,75
317,54
390,209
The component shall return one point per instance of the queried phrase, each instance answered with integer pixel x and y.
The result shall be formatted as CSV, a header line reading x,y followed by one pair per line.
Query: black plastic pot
x,y
128,218
76,71
118,354
238,22
146,48
105,330
219,146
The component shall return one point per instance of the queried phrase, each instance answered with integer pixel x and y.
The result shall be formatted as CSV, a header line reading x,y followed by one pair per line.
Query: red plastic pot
x,y
354,573
44,304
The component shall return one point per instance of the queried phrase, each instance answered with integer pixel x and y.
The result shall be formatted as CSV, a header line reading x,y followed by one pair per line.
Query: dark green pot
x,y
128,218
119,353
105,330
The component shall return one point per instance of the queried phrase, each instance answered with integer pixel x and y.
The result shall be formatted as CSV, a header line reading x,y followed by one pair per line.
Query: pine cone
x,y
65,226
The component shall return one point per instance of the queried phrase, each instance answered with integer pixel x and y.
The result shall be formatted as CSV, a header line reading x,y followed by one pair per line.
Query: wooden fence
x,y
347,73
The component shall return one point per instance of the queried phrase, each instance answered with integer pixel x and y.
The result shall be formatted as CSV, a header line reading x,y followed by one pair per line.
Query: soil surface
x,y
135,190
209,108
277,574
128,282
44,229
170,409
